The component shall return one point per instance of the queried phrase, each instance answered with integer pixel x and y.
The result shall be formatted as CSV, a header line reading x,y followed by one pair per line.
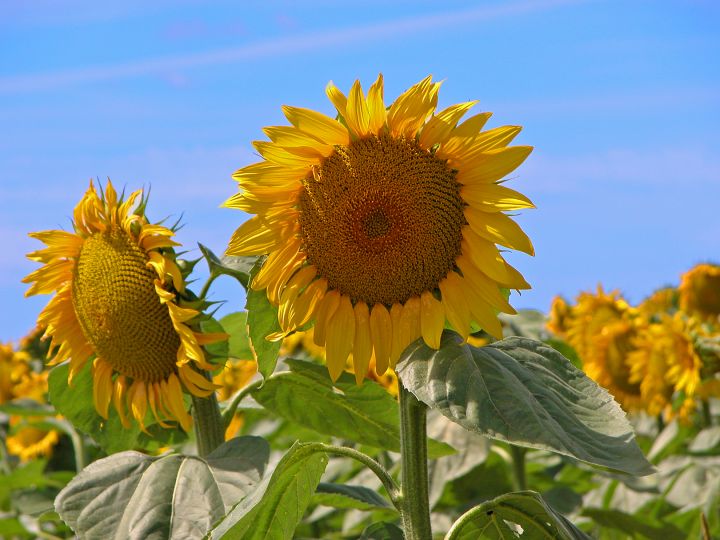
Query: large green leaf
x,y
262,320
524,392
235,324
514,515
472,450
275,508
75,402
132,495
382,531
365,413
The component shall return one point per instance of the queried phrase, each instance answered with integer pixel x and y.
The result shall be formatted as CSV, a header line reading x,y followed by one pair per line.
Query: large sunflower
x,y
383,224
116,287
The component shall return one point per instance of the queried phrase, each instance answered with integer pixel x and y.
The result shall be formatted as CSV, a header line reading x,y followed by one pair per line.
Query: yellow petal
x,y
396,344
120,390
492,165
323,127
410,322
257,236
455,302
381,332
340,337
337,98
276,286
287,156
306,304
484,254
295,284
326,309
357,115
154,400
174,400
461,138
275,263
494,198
439,127
432,319
515,280
376,105
102,386
499,229
362,350
265,173
487,288
409,111
50,277
137,397
289,136
482,312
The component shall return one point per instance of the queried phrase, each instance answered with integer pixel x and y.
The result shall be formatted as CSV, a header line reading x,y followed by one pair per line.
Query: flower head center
x,y
381,219
118,309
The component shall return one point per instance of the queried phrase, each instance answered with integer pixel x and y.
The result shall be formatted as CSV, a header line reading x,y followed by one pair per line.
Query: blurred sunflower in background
x,y
383,224
234,376
601,327
665,361
118,298
700,292
19,380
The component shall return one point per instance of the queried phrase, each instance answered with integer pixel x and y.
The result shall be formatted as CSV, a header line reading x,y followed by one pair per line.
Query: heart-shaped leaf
x,y
522,391
133,495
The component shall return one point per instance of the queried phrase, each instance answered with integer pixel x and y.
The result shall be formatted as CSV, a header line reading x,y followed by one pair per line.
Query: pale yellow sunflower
x,y
117,288
700,292
28,441
601,328
382,225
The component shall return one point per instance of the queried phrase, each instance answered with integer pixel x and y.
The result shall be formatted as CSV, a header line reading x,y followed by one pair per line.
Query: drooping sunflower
x,y
384,223
117,288
700,292
601,328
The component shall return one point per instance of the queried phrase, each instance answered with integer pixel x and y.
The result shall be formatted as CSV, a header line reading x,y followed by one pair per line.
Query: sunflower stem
x,y
415,504
518,459
209,425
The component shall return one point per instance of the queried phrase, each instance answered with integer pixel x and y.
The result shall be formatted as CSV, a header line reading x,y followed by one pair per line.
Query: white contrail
x,y
273,47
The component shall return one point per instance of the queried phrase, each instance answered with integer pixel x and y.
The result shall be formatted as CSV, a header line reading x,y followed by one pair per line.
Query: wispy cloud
x,y
274,47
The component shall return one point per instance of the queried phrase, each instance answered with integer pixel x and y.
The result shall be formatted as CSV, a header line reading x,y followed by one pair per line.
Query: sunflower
x,y
383,224
28,441
117,298
661,301
665,361
14,367
700,292
601,328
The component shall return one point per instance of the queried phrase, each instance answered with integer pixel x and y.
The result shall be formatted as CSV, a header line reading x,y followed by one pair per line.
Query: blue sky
x,y
620,99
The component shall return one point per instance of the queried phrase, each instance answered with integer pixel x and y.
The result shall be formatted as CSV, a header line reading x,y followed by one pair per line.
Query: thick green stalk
x,y
209,425
414,473
518,459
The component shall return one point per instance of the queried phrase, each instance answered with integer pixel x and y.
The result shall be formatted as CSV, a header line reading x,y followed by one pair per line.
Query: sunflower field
x,y
378,383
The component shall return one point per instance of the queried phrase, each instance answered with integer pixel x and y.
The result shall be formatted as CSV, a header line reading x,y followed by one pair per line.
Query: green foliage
x,y
344,496
501,517
235,324
365,414
524,392
274,509
262,320
132,495
237,267
75,402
